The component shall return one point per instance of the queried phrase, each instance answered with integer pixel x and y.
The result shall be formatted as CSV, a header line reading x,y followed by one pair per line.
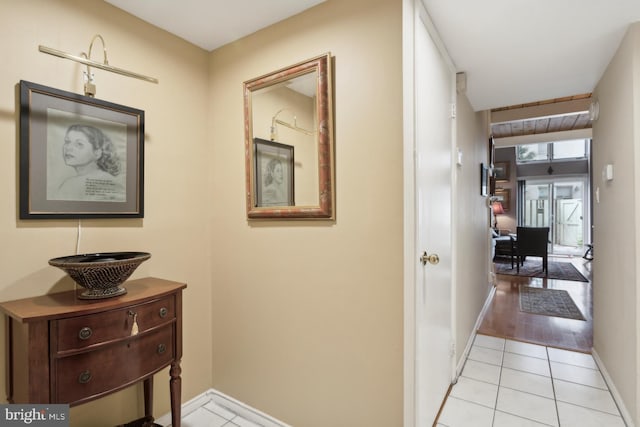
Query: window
x,y
532,153
562,150
575,149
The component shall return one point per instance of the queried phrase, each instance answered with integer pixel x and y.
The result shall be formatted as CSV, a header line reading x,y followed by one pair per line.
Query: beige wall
x,y
177,148
472,222
616,140
307,316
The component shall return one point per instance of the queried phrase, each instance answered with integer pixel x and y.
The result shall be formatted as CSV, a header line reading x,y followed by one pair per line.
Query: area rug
x,y
548,302
533,268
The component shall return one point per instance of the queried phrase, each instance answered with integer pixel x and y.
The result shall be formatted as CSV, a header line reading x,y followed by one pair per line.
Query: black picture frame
x,y
484,178
61,176
491,153
274,173
501,171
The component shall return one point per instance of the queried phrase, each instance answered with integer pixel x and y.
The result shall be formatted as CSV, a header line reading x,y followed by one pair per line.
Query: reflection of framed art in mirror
x,y
293,106
273,173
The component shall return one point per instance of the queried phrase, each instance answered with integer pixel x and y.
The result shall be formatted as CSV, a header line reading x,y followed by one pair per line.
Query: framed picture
x,y
503,195
501,171
273,168
484,178
491,145
80,157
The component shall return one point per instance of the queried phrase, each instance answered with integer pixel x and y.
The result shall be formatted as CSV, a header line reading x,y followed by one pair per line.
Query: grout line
x,y
584,385
495,405
469,401
523,418
619,415
553,386
577,366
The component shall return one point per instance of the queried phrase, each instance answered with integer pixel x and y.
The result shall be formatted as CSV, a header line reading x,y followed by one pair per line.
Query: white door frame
x,y
410,8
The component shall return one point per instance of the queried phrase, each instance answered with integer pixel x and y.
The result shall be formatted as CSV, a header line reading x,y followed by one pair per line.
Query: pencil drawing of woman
x,y
92,155
273,193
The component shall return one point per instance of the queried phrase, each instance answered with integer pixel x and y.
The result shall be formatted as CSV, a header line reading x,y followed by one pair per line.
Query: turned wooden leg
x,y
148,397
175,386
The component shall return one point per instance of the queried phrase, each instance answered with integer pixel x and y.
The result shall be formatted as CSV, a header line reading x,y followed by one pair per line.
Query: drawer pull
x,y
84,377
85,333
162,348
134,327
164,312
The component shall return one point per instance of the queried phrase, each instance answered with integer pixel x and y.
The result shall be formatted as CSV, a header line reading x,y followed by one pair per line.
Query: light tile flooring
x,y
216,409
214,415
507,383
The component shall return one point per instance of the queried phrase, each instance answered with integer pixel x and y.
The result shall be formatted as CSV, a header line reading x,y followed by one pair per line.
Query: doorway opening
x,y
554,191
560,204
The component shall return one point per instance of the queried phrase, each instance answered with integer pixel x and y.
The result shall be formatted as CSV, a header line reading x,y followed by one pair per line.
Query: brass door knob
x,y
431,259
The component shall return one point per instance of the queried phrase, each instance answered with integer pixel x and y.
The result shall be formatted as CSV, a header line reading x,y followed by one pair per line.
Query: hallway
x,y
532,370
504,318
507,383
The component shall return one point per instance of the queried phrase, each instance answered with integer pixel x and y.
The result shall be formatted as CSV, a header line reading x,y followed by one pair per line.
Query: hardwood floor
x,y
504,318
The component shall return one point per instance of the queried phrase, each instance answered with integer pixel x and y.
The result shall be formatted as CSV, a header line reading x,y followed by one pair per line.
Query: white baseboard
x,y
228,403
472,337
626,416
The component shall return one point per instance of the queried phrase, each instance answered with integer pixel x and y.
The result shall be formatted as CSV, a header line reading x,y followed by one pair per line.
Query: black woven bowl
x,y
101,273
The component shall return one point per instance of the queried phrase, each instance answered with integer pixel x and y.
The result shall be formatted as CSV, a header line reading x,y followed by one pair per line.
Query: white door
x,y
435,94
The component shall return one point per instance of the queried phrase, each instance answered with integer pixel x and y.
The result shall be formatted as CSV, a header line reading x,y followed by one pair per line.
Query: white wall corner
x,y
472,337
626,416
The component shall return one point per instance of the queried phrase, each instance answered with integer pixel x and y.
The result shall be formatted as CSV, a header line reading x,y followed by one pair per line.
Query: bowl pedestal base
x,y
116,291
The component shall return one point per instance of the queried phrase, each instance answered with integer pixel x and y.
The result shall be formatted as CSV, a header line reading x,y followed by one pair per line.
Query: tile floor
x,y
508,383
216,409
214,415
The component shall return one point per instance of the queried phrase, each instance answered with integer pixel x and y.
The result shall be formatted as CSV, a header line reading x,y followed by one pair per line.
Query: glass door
x,y
559,204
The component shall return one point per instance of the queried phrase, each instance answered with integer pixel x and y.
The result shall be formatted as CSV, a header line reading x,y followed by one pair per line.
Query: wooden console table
x,y
61,349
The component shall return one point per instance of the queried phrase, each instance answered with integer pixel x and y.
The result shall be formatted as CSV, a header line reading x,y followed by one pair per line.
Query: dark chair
x,y
533,241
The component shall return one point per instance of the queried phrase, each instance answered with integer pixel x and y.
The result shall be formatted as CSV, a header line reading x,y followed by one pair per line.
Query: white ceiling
x,y
519,51
513,51
210,24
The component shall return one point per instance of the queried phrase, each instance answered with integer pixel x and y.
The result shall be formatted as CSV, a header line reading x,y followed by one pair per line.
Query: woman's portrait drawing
x,y
97,167
273,192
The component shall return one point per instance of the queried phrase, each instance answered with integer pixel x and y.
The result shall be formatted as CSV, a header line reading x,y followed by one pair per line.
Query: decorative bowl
x,y
101,273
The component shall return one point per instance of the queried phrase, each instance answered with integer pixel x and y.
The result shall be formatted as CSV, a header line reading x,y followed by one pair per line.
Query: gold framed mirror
x,y
289,142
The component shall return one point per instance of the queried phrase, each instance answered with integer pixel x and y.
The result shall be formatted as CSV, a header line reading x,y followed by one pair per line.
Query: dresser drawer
x,y
91,374
80,332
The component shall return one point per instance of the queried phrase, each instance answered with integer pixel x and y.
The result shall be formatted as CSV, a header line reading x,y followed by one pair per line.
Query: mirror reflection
x,y
288,143
285,113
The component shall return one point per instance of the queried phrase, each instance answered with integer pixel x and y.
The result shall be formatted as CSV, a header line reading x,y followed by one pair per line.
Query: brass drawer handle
x,y
85,333
84,377
161,349
134,327
164,312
